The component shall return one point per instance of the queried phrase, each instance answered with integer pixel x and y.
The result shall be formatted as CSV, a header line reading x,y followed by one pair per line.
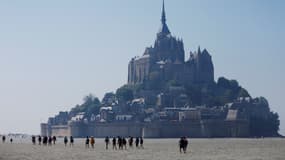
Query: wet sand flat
x,y
154,149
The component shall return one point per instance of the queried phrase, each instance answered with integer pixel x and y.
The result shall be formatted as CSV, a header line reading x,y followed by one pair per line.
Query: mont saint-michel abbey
x,y
169,96
167,59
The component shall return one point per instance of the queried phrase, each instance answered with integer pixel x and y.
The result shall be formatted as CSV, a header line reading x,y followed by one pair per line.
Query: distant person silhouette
x,y
181,144
120,142
92,142
185,144
137,142
11,140
71,141
3,139
114,142
33,140
87,142
107,141
49,140
40,140
131,140
141,142
45,139
54,139
124,141
65,141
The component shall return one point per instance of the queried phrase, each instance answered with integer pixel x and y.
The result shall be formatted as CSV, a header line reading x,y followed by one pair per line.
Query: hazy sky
x,y
53,53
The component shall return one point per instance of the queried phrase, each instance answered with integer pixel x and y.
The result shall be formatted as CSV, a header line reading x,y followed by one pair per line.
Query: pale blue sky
x,y
52,53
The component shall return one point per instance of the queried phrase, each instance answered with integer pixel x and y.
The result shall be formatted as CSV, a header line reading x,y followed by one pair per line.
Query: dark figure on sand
x,y
141,142
124,141
40,140
71,141
65,141
45,139
183,143
107,141
53,139
11,140
120,142
137,142
87,142
3,139
131,140
33,140
114,142
49,140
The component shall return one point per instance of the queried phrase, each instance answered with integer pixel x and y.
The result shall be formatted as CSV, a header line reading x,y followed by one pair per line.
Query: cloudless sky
x,y
53,53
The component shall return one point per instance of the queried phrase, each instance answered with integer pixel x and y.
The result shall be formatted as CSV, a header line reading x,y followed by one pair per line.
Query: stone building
x,y
166,60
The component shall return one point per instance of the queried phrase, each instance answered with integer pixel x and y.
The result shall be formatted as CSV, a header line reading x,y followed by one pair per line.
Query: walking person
x,y
65,141
107,141
33,140
40,140
137,142
124,141
87,142
120,142
71,141
131,140
11,140
54,139
141,142
181,144
92,142
45,139
49,140
185,144
114,142
3,139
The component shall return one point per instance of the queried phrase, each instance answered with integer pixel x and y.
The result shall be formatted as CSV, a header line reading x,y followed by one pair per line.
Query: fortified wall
x,y
195,129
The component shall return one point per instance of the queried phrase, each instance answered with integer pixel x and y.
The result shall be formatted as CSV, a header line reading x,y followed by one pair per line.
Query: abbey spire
x,y
163,31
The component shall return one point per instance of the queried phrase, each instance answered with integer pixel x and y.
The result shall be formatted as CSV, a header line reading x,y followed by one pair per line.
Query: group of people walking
x,y
4,139
90,141
71,141
49,140
117,142
122,142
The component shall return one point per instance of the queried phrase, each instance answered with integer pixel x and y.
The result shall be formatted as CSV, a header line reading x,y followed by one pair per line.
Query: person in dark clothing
x,y
87,142
33,140
107,141
181,144
40,140
114,142
120,142
131,140
124,141
45,139
71,141
185,144
49,140
137,142
11,140
3,139
141,142
65,141
54,139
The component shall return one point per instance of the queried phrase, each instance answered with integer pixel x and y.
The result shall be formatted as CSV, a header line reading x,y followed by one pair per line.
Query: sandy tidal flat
x,y
154,149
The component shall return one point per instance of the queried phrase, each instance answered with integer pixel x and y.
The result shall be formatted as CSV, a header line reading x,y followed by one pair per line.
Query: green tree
x,y
125,93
